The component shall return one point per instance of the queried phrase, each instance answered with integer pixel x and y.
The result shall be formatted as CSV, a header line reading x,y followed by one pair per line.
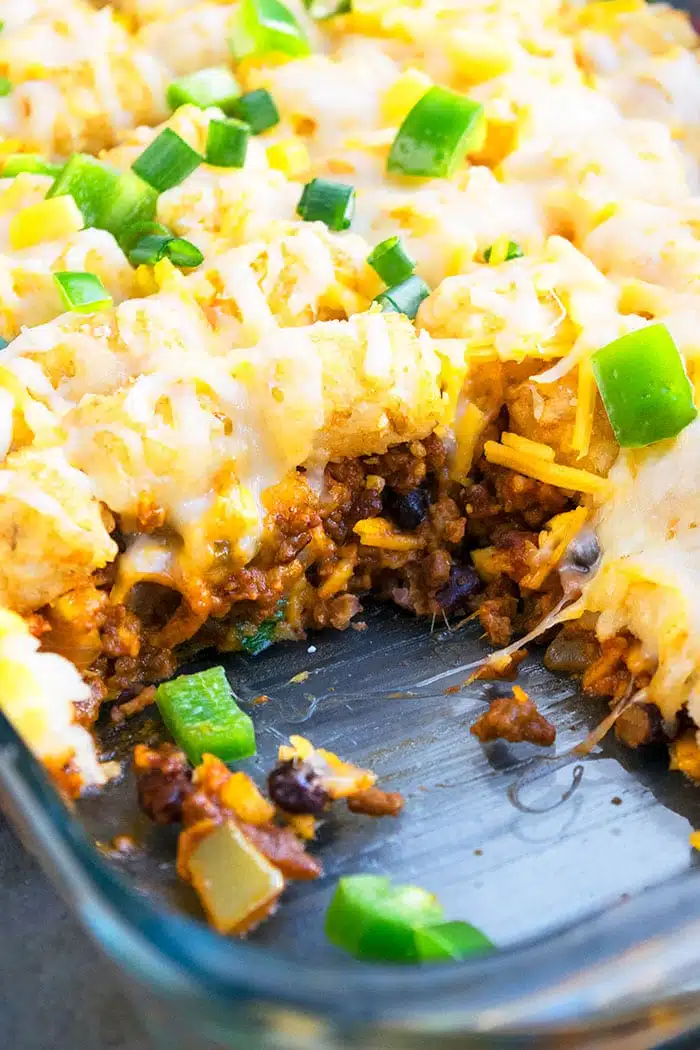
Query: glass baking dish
x,y
595,903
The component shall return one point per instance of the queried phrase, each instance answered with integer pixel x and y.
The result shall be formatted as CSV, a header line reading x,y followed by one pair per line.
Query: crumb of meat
x,y
164,782
515,719
374,802
144,699
283,849
498,610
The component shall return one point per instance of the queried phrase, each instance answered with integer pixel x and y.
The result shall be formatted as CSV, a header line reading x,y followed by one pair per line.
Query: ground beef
x,y
311,541
534,501
164,781
515,719
498,610
503,497
283,849
374,802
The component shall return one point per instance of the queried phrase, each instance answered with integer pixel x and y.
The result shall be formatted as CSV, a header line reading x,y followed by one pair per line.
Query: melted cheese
x,y
649,579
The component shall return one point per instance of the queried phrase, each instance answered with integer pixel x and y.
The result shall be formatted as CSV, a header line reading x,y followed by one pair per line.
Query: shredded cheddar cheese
x,y
527,447
585,405
550,473
378,532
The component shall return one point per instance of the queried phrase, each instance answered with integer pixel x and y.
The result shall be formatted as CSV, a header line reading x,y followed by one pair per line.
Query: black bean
x,y
462,584
296,788
583,551
407,509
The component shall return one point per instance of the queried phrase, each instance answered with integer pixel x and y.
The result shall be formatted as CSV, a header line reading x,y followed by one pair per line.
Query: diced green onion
x,y
149,249
437,134
372,919
82,292
263,26
329,202
131,235
404,298
154,246
258,110
320,10
450,940
5,87
167,161
513,251
130,200
89,182
183,253
261,637
16,163
391,262
201,712
644,386
207,87
227,143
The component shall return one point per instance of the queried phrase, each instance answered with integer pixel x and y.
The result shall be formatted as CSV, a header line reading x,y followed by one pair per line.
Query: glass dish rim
x,y
629,956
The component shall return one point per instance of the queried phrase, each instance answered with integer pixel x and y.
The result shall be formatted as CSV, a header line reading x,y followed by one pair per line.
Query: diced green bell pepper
x,y
437,133
450,940
372,919
201,712
644,386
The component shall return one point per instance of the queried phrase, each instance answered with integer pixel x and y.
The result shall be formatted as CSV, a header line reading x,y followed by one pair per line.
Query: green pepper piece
x,y
262,26
207,87
88,182
450,940
372,919
644,386
201,712
437,134
16,163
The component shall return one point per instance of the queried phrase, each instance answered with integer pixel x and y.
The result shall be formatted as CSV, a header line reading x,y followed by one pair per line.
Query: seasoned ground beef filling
x,y
313,570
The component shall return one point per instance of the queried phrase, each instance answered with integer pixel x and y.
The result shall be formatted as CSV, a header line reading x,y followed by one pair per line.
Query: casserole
x,y
369,385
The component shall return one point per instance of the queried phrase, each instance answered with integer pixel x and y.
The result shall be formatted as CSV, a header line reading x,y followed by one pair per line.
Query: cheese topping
x,y
201,391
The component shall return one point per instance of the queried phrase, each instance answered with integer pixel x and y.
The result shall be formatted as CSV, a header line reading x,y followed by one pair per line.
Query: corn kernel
x,y
601,14
499,251
478,55
403,94
289,156
144,280
48,220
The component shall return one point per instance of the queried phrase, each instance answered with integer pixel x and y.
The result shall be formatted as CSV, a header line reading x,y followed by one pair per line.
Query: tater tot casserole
x,y
304,303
